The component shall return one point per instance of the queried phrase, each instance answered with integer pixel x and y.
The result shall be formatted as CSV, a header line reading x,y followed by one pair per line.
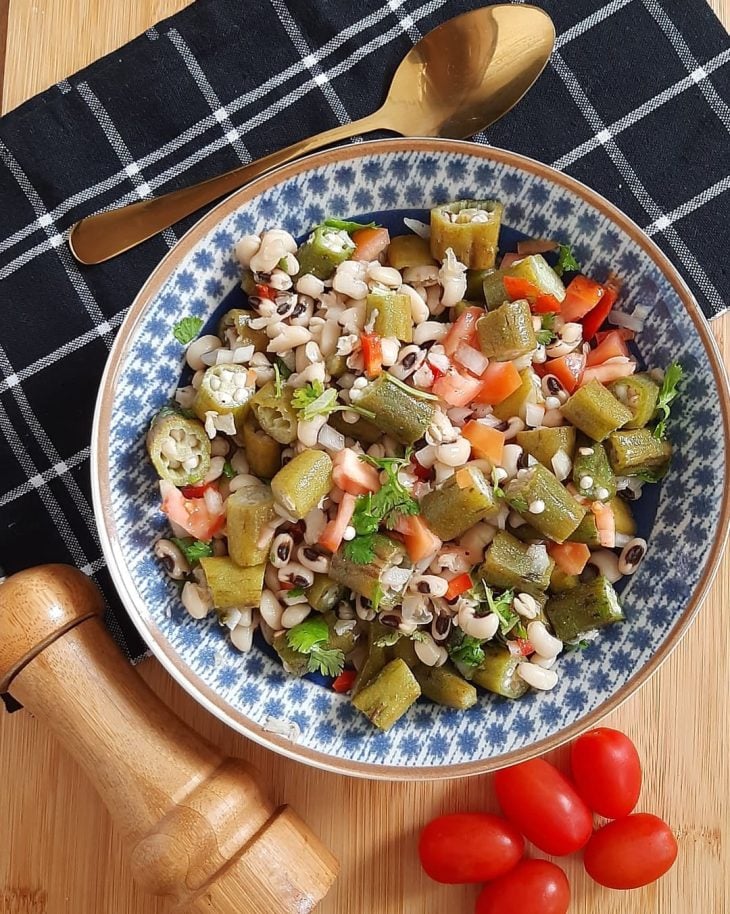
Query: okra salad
x,y
410,462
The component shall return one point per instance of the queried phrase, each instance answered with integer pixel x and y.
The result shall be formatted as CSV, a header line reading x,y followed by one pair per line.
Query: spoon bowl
x,y
458,79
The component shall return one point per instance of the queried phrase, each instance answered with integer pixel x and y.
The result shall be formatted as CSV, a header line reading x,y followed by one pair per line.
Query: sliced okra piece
x,y
302,483
507,332
498,672
387,698
239,320
397,412
445,686
470,228
230,585
584,608
324,250
538,496
592,473
406,251
249,511
635,452
544,443
393,318
640,393
595,411
276,416
512,565
462,501
178,447
225,389
262,452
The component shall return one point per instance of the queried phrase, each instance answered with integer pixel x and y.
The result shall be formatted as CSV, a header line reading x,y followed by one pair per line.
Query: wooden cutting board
x,y
58,851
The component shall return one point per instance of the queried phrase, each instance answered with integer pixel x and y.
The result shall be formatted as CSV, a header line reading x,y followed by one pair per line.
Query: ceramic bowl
x,y
684,519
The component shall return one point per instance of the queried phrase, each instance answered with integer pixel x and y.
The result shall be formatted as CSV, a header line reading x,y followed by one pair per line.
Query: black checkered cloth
x,y
634,103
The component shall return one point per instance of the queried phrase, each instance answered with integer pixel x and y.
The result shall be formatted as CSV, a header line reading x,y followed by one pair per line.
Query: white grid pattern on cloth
x,y
689,206
310,61
196,130
648,204
122,151
42,479
220,113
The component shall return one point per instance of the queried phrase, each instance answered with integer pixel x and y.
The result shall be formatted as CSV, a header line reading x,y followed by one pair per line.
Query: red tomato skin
x,y
532,887
469,847
545,807
630,852
606,771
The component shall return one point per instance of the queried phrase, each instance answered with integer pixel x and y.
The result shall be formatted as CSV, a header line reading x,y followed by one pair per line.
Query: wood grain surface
x,y
59,853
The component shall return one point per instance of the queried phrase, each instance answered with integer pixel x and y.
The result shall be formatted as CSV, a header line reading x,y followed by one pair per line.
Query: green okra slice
x,y
363,430
512,565
225,389
498,672
376,656
230,585
544,502
239,319
445,686
406,251
325,594
515,404
584,608
387,698
249,511
635,452
324,250
470,228
493,290
400,413
179,448
538,272
302,483
507,332
560,581
592,473
393,318
595,411
459,503
262,452
544,443
275,414
640,393
366,580
586,531
475,287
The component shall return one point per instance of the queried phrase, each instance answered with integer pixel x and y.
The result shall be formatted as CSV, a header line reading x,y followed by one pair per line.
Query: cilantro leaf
x,y
566,261
389,639
361,549
310,637
193,550
668,392
228,470
307,634
376,597
295,592
546,334
328,661
502,606
314,400
652,474
345,226
465,650
187,329
577,645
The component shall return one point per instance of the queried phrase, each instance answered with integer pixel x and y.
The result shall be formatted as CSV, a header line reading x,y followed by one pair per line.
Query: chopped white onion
x,y
422,229
472,359
630,321
534,414
426,456
458,415
485,416
397,578
330,438
539,558
562,464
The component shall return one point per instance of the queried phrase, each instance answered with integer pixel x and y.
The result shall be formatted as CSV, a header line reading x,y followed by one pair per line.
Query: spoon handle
x,y
104,235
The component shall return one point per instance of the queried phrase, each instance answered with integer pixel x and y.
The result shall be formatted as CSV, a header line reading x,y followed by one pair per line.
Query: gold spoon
x,y
460,77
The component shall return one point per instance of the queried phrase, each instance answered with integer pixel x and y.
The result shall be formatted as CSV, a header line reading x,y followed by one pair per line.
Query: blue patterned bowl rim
x,y
102,463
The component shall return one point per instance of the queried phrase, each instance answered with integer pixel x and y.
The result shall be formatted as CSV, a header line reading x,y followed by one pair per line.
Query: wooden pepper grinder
x,y
198,827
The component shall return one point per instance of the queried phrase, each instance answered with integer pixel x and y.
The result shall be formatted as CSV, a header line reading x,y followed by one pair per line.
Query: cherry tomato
x,y
607,772
630,852
543,804
532,887
469,847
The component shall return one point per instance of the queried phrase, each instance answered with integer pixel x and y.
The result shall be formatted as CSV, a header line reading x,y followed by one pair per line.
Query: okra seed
x,y
537,506
585,451
586,482
602,493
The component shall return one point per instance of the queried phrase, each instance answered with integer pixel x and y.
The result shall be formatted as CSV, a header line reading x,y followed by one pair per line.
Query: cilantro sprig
x,y
386,506
546,334
310,637
193,550
502,606
667,394
465,649
187,329
566,261
314,399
